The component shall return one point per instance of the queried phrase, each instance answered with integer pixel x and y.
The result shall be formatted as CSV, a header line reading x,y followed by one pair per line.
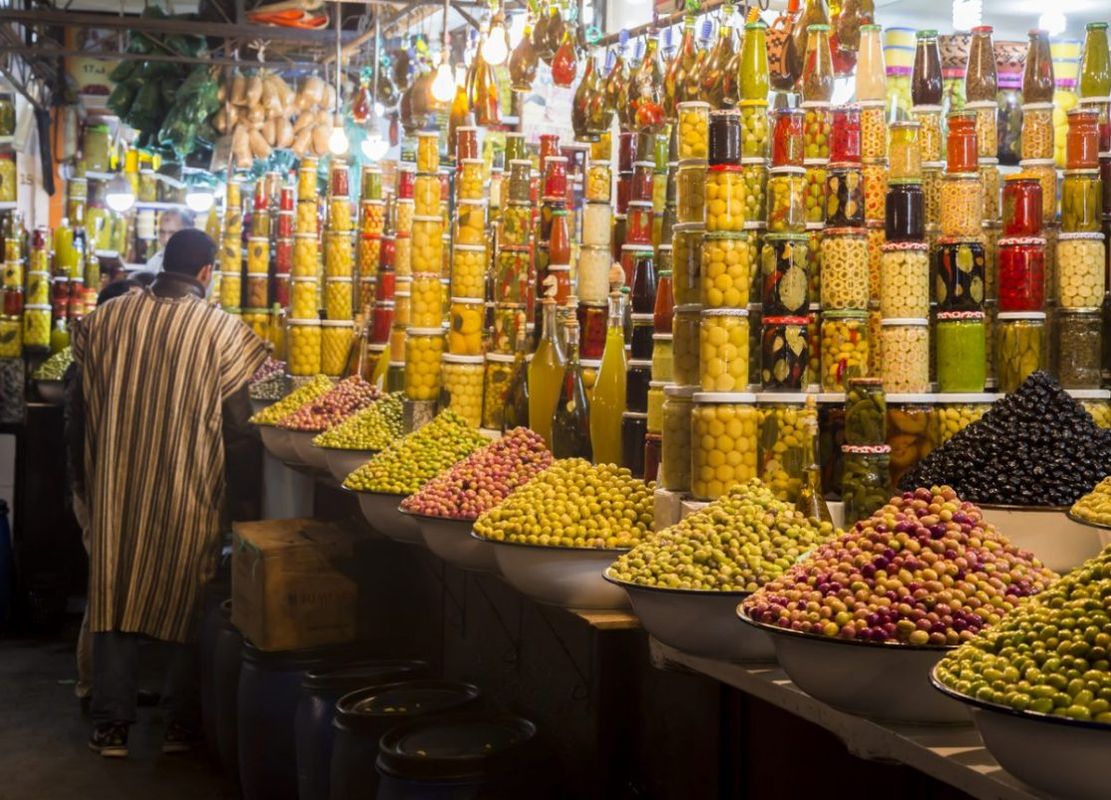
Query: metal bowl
x,y
889,682
259,405
276,440
1059,542
308,453
382,512
702,623
1061,757
53,392
570,577
342,463
451,540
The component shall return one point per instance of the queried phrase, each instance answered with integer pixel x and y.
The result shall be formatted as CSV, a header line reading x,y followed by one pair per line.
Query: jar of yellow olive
x,y
723,442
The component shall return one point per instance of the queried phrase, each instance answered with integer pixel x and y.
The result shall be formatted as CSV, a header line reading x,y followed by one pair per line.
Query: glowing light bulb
x,y
199,199
496,47
337,139
118,194
375,146
443,85
1053,21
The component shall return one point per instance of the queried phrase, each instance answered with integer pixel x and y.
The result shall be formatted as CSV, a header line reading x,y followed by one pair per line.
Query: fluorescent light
x,y
199,199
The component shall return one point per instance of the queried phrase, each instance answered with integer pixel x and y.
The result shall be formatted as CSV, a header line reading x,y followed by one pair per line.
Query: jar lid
x,y
549,159
295,278
785,321
640,204
724,397
657,385
649,164
799,398
305,322
1023,241
960,240
1017,315
905,123
903,321
692,163
688,227
337,279
634,415
520,162
1037,162
468,301
559,268
846,313
469,160
910,183
815,226
754,161
911,397
259,239
693,104
474,202
424,331
846,232
933,166
892,247
866,449
719,236
470,248
678,390
755,225
662,337
988,162
1082,311
848,166
384,304
647,248
1037,106
873,225
448,358
927,109
786,237
725,312
1094,236
787,171
396,364
642,318
814,162
640,363
962,176
968,397
1091,101
1089,394
427,219
816,103
879,161
871,103
332,323
223,275
991,225
1020,177
688,308
666,246
837,398
975,104
960,316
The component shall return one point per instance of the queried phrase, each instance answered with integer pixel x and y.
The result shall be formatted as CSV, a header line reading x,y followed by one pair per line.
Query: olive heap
x,y
345,398
483,479
413,460
574,503
54,368
923,570
373,428
316,387
1050,656
1035,447
738,543
1095,507
269,380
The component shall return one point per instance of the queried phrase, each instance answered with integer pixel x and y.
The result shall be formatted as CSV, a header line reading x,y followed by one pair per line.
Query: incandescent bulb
x,y
1053,21
199,199
443,86
379,109
495,49
119,195
337,139
375,146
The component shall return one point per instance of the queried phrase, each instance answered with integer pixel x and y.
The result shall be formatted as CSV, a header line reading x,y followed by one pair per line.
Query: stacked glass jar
x,y
926,91
865,478
1076,344
404,211
424,338
339,272
231,248
304,331
284,226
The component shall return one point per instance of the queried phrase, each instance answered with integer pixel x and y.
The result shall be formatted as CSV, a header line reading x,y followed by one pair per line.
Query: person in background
x,y
169,223
162,376
83,687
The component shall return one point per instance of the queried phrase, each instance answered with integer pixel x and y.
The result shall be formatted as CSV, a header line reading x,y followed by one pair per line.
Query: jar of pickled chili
x,y
643,179
1021,265
961,146
844,139
638,224
788,139
592,329
960,271
1022,205
555,178
1102,106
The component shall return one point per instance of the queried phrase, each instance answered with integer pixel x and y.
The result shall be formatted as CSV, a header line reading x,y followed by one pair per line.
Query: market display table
x,y
952,754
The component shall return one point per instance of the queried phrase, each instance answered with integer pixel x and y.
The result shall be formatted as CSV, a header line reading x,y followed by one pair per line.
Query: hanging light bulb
x,y
1053,21
119,195
496,47
375,146
199,199
337,139
443,86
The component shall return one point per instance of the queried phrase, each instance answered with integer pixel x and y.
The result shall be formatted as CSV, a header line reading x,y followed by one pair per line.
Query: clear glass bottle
x,y
1095,62
516,413
1037,77
571,419
680,72
753,76
871,74
719,75
817,74
980,81
925,84
608,399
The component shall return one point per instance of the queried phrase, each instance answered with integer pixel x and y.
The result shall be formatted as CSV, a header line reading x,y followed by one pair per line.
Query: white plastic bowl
x,y
1061,757
451,540
342,463
381,511
308,453
560,576
1059,542
276,440
702,623
889,682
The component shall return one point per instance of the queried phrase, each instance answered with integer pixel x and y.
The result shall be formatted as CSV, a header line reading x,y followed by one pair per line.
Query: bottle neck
x,y
616,317
548,333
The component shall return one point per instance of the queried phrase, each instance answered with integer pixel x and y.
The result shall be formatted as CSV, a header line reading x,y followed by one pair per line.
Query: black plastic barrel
x,y
215,617
227,658
269,690
320,690
363,716
459,758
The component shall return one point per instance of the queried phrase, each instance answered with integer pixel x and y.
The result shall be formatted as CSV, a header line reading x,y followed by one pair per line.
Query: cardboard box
x,y
288,586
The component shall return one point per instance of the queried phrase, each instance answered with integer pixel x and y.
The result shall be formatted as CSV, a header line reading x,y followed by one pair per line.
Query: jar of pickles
x,y
725,199
690,187
754,128
785,353
962,202
495,387
466,317
905,344
961,351
724,350
786,441
462,377
817,126
423,373
663,357
874,178
960,271
304,346
989,187
1077,347
817,174
909,433
36,326
470,222
468,271
693,129
1097,402
1044,170
725,270
675,458
865,480
931,143
1020,347
686,249
905,280
1080,269
844,347
723,443
932,177
844,282
906,154
685,344
1082,141
844,196
336,338
784,280
597,223
786,189
1081,201
1022,205
428,152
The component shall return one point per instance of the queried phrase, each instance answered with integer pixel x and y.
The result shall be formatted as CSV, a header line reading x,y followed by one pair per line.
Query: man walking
x,y
163,379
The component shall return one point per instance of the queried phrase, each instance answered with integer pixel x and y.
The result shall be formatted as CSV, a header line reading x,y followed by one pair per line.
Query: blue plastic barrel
x,y
320,690
363,716
227,658
459,758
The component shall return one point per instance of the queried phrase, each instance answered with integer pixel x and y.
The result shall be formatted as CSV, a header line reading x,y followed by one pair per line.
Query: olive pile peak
x,y
1050,656
413,460
923,570
344,399
1095,506
318,386
1035,447
574,503
373,428
738,543
54,368
483,479
269,381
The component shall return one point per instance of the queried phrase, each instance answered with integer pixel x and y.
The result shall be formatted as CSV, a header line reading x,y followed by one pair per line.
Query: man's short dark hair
x,y
142,277
117,288
188,252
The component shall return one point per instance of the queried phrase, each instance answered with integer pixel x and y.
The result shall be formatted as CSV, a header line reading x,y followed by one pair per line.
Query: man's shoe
x,y
109,739
179,739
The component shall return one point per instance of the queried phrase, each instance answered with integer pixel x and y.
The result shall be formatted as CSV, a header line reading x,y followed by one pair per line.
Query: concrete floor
x,y
43,736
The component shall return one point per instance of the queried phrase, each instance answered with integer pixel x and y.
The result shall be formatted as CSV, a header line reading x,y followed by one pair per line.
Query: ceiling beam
x,y
59,52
